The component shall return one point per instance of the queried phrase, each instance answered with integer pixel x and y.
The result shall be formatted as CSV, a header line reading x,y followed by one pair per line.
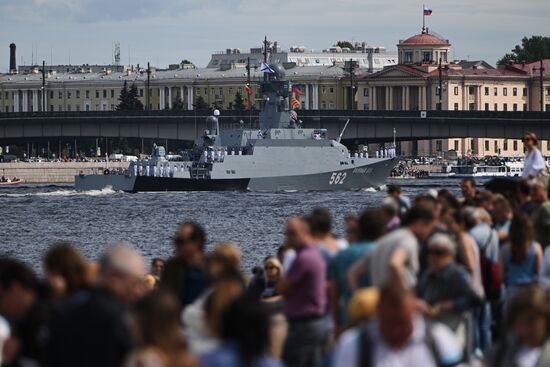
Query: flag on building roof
x,y
427,12
248,89
295,103
264,68
296,88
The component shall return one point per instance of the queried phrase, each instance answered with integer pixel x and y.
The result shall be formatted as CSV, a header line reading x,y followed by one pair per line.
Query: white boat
x,y
508,169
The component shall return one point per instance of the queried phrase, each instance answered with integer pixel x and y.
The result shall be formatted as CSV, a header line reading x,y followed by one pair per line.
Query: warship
x,y
281,155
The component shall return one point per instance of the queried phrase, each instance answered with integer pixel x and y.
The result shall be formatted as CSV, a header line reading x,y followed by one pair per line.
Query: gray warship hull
x,y
370,175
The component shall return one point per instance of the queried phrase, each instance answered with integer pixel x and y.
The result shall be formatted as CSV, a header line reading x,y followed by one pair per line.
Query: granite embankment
x,y
54,172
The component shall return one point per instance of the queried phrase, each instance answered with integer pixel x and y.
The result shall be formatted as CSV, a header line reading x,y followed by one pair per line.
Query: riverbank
x,y
54,172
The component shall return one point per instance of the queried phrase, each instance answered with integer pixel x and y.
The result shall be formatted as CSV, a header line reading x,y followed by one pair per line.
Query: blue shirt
x,y
227,355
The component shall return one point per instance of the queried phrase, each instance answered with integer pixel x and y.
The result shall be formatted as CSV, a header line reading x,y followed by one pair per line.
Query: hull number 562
x,y
337,178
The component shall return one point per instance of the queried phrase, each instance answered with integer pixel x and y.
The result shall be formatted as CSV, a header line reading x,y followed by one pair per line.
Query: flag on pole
x,y
427,12
296,89
295,103
248,89
264,68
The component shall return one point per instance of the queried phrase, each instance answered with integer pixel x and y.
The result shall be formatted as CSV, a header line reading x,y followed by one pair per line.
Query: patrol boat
x,y
281,156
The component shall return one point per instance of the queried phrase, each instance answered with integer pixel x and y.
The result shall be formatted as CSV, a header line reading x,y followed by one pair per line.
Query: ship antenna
x,y
342,132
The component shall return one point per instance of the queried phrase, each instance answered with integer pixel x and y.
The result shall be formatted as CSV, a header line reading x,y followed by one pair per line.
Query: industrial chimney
x,y
13,66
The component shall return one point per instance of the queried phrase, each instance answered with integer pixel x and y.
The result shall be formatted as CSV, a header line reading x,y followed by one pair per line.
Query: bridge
x,y
364,126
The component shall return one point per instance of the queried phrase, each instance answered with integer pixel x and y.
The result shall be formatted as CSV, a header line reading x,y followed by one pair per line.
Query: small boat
x,y
483,169
15,181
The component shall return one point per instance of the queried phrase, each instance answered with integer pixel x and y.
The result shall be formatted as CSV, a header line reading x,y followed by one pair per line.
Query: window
x,y
96,94
525,106
60,108
205,91
78,107
471,90
112,93
104,93
141,92
456,145
505,107
486,106
504,91
515,145
331,90
515,107
51,108
456,106
427,56
514,92
60,95
87,94
87,107
366,107
51,94
486,91
438,145
496,107
525,92
68,95
77,94
472,106
486,145
112,107
548,91
505,144
198,91
437,90
68,107
496,91
496,146
324,105
365,92
456,91
408,57
443,55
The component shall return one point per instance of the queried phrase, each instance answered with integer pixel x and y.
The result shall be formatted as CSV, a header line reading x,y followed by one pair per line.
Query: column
x,y
403,98
306,104
170,98
373,92
315,96
190,98
34,100
25,101
182,95
162,101
390,98
387,99
16,101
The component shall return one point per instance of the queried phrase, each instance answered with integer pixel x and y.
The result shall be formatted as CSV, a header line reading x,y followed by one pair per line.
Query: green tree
x,y
200,103
238,104
344,44
129,99
531,49
177,104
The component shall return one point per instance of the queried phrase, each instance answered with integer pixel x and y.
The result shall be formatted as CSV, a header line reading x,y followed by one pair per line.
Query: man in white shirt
x,y
398,337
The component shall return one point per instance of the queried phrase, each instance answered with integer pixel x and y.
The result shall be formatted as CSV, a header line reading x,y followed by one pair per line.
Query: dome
x,y
425,39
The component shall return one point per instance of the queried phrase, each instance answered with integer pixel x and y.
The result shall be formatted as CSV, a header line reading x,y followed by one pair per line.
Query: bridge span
x,y
364,126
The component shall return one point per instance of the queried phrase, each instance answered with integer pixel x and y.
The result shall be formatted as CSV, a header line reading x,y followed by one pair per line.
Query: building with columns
x,y
426,79
323,87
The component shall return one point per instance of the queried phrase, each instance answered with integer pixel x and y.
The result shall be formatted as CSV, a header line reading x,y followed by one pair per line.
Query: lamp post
x,y
541,80
440,86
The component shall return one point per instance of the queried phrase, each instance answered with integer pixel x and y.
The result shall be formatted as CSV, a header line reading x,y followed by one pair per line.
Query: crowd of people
x,y
438,280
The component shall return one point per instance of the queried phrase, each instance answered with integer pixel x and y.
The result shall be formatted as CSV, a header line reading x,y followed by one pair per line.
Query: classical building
x,y
323,87
426,79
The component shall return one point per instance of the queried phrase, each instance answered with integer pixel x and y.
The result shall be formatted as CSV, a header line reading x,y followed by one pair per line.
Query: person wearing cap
x,y
534,162
446,286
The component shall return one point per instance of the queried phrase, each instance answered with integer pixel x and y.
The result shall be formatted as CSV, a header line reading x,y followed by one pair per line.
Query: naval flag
x,y
264,68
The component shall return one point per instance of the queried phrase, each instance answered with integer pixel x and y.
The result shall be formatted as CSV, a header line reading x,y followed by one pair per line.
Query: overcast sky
x,y
167,31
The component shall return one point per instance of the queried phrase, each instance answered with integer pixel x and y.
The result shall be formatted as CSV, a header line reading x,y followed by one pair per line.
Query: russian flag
x,y
427,12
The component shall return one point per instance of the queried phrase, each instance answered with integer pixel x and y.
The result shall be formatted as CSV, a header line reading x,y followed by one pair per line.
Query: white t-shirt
x,y
534,162
4,334
528,357
415,353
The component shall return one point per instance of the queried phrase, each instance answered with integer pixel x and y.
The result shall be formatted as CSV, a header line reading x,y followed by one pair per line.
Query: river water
x,y
34,216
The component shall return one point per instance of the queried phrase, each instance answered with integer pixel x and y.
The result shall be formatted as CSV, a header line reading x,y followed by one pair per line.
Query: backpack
x,y
366,347
490,272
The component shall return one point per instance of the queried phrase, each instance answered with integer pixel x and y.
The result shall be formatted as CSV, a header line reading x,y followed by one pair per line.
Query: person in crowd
x,y
396,255
477,222
304,290
390,211
184,275
398,336
521,258
446,289
502,216
352,228
245,334
448,199
484,199
320,224
65,270
264,285
372,226
541,212
523,197
527,341
17,296
362,306
469,192
157,267
534,164
201,318
403,202
156,332
91,329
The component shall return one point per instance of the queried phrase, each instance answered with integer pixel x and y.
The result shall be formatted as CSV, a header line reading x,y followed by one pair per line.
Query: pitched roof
x,y
528,68
425,39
